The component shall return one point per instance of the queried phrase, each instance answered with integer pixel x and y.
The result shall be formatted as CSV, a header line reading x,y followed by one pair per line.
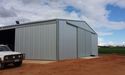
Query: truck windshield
x,y
4,48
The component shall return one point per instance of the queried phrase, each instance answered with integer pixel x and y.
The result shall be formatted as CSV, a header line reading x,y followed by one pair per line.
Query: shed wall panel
x,y
94,44
37,42
81,42
88,44
67,41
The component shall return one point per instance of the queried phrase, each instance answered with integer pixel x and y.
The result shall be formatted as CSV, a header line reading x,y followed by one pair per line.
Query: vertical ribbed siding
x,y
88,43
38,42
84,43
94,44
81,42
67,41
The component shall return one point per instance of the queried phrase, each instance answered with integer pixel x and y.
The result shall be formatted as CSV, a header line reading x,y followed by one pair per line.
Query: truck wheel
x,y
1,65
18,63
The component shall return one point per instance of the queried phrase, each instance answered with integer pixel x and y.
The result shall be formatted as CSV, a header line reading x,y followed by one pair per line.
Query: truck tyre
x,y
2,66
18,63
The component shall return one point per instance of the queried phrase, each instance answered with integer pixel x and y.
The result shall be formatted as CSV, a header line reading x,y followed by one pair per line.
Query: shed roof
x,y
78,23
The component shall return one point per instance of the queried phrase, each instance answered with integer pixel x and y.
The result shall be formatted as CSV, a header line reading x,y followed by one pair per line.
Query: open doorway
x,y
7,37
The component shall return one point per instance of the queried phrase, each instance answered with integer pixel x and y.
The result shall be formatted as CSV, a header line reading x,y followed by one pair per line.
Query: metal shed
x,y
55,39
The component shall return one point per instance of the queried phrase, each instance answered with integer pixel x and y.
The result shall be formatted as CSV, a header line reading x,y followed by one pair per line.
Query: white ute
x,y
7,56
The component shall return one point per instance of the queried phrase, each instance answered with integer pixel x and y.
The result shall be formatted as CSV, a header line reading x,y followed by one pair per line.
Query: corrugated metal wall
x,y
81,43
88,43
41,41
38,42
86,40
67,41
84,43
94,44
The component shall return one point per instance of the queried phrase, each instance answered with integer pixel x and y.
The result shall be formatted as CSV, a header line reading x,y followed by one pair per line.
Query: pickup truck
x,y
7,56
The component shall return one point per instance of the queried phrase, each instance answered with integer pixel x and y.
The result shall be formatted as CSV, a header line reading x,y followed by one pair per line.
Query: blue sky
x,y
106,17
116,14
117,37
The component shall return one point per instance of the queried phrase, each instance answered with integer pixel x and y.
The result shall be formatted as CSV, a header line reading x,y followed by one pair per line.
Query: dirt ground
x,y
105,65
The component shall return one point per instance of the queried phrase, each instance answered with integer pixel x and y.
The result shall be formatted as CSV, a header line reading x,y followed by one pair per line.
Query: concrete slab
x,y
90,57
37,61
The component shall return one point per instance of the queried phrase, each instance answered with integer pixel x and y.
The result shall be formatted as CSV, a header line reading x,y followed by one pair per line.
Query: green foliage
x,y
110,50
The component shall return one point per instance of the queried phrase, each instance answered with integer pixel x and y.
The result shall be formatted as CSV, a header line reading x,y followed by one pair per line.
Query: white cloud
x,y
96,12
103,42
92,11
105,33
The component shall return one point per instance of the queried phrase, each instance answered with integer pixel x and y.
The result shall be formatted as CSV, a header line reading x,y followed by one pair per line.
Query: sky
x,y
106,17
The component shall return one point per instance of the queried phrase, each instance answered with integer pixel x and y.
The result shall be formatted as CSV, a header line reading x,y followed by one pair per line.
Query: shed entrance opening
x,y
7,37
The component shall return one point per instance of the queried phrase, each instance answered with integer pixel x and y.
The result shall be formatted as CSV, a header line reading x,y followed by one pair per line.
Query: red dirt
x,y
105,65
